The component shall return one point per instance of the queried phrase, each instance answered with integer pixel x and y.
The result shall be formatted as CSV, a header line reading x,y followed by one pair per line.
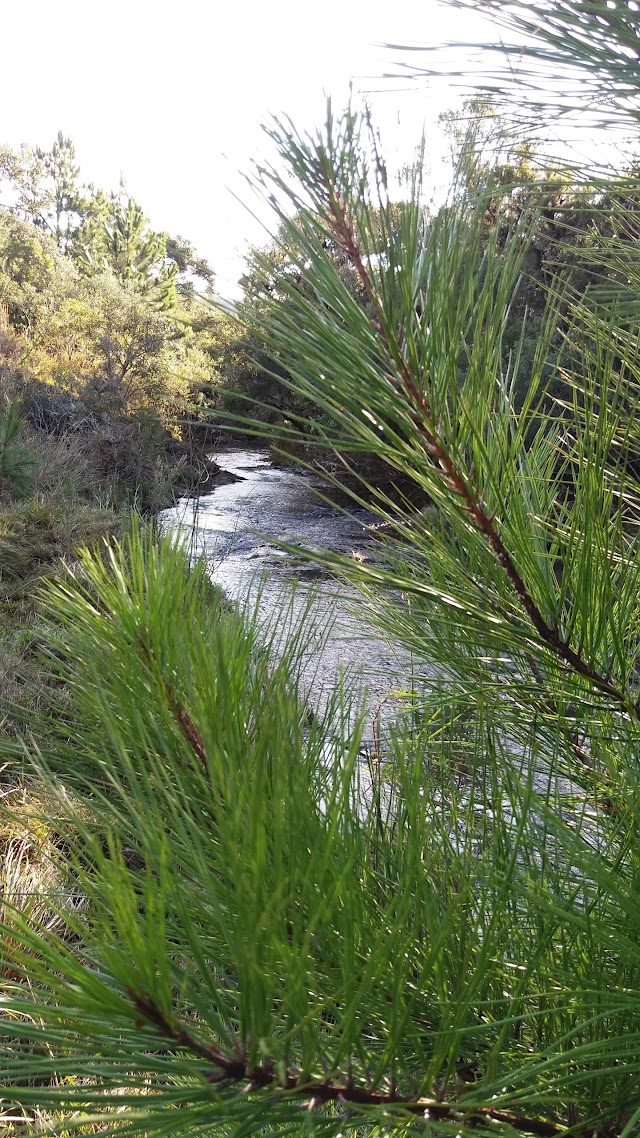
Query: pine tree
x,y
44,188
17,461
117,237
67,203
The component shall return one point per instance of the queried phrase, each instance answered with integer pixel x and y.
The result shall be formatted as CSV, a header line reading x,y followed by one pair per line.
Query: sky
x,y
172,96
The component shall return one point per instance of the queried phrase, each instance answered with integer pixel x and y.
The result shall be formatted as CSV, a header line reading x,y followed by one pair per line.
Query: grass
x,y
84,479
38,537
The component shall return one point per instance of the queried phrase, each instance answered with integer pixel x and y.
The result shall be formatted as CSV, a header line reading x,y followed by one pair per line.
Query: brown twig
x,y
183,719
187,726
316,1094
472,503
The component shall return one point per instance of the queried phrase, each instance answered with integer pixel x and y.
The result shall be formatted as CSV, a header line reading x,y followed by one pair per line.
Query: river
x,y
238,527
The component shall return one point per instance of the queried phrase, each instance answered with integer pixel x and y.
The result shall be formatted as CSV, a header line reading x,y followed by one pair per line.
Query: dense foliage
x,y
108,346
571,214
108,349
99,314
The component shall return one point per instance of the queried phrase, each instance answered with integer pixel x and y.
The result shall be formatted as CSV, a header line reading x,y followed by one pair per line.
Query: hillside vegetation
x,y
109,348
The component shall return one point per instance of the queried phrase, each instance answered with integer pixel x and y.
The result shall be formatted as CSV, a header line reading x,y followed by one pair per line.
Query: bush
x,y
17,462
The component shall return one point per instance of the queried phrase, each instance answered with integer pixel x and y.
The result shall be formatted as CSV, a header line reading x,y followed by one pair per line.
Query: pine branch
x,y
236,1069
584,759
452,477
183,719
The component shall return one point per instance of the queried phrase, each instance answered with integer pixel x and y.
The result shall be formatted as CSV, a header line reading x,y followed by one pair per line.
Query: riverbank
x,y
69,481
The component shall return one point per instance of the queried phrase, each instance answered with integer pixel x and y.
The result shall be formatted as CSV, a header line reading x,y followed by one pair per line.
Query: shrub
x,y
17,462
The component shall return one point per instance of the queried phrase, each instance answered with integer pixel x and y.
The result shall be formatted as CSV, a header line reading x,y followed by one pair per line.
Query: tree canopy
x,y
99,305
95,229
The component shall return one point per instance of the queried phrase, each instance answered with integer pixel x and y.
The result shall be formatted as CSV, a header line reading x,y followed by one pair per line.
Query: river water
x,y
238,527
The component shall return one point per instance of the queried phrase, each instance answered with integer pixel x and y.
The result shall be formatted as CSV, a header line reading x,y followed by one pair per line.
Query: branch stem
x,y
452,476
237,1069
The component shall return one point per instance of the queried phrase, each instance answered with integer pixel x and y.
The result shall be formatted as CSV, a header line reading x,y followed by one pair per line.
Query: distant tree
x,y
190,265
67,201
93,334
29,264
98,230
43,188
117,236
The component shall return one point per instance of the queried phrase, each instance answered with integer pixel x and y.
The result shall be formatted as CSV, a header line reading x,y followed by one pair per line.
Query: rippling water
x,y
238,527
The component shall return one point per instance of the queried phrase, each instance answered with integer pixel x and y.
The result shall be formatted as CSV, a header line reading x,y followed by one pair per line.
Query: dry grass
x,y
33,886
30,879
79,498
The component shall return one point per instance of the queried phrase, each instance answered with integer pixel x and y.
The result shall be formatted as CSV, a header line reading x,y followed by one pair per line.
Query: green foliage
x,y
105,335
101,325
252,376
276,931
45,189
30,266
568,59
275,935
118,238
96,230
190,265
17,462
242,906
66,203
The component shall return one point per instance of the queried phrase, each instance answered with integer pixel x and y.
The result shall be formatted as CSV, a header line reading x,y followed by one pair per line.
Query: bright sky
x,y
173,95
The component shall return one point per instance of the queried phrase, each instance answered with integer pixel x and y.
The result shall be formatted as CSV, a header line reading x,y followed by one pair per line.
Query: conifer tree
x,y
67,201
117,236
